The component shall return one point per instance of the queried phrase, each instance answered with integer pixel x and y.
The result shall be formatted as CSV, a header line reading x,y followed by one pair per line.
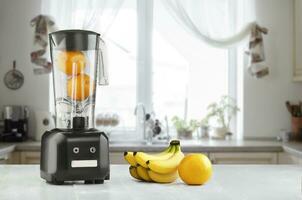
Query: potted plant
x,y
204,128
184,129
222,112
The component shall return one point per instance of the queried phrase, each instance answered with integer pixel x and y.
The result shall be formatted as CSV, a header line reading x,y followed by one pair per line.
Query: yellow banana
x,y
168,165
133,173
130,158
143,173
141,157
163,178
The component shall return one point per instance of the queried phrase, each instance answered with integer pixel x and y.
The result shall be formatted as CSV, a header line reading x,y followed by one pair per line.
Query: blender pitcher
x,y
77,56
75,150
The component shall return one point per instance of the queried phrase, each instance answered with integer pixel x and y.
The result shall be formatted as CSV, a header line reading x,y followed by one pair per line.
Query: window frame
x,y
144,53
145,63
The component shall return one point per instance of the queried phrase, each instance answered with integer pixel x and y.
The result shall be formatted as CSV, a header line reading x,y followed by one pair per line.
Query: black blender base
x,y
69,156
94,182
55,182
85,182
107,177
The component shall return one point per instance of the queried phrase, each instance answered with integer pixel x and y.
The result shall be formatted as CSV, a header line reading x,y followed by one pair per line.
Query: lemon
x,y
195,169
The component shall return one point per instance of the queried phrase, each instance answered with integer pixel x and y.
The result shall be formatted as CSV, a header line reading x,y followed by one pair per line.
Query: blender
x,y
75,150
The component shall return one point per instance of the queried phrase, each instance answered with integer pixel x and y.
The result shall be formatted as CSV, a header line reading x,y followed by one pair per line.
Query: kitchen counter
x,y
187,146
229,182
294,148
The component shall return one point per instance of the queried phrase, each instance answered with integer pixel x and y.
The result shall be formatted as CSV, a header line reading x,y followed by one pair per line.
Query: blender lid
x,y
74,40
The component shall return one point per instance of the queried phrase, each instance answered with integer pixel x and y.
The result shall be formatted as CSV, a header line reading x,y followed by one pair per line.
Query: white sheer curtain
x,y
96,15
209,20
214,23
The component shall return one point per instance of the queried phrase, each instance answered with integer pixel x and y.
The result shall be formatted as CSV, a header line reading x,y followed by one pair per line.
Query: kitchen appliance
x,y
75,150
44,121
15,123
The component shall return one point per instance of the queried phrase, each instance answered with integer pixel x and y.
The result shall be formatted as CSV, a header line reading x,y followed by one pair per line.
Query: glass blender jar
x,y
75,150
77,57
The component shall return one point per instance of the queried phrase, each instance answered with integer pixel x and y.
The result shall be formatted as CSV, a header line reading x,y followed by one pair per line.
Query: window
x,y
154,61
169,74
120,95
185,70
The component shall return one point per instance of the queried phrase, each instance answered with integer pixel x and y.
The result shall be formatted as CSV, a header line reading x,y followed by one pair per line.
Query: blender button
x,y
92,150
76,150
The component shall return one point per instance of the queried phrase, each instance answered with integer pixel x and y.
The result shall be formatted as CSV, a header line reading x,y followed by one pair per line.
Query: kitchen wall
x,y
263,106
16,38
264,100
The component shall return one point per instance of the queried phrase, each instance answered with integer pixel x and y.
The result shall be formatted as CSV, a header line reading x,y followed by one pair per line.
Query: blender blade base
x,y
75,155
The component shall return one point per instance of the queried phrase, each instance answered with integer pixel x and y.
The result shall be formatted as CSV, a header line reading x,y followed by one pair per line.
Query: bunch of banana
x,y
160,167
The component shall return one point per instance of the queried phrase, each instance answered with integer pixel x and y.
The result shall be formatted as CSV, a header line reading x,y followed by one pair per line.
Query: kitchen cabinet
x,y
23,157
33,157
243,158
30,157
13,158
117,158
286,158
217,158
220,158
3,159
10,158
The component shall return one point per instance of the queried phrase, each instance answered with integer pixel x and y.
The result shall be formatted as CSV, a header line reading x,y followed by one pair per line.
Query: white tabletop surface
x,y
229,182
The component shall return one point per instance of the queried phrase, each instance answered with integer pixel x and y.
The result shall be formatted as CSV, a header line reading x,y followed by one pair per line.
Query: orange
x,y
71,62
195,169
78,87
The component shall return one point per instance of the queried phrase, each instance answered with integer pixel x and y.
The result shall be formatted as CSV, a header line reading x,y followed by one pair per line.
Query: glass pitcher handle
x,y
102,63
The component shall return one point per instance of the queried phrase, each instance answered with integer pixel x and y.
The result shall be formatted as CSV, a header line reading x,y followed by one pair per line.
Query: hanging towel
x,y
43,24
256,66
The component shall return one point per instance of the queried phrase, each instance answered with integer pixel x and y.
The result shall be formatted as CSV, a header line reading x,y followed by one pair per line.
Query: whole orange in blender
x,y
78,87
71,62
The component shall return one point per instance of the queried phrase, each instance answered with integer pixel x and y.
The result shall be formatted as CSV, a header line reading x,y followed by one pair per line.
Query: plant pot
x,y
296,128
185,134
219,133
204,132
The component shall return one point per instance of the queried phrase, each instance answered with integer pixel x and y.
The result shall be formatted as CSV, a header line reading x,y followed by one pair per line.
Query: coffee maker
x,y
15,123
75,150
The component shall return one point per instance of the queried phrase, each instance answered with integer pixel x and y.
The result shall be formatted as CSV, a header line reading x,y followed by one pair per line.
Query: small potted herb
x,y
222,112
204,128
184,129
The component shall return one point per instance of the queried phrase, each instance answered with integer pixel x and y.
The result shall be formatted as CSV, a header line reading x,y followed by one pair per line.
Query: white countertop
x,y
229,182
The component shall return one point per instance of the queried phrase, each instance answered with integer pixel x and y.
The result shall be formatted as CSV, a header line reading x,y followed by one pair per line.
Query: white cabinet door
x,y
4,159
243,158
30,157
13,158
286,158
117,158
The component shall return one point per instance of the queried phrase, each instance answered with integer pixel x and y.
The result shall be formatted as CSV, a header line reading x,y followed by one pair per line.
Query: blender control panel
x,y
83,153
